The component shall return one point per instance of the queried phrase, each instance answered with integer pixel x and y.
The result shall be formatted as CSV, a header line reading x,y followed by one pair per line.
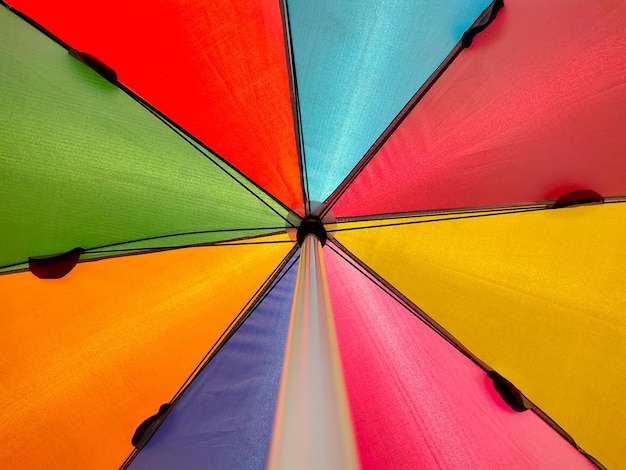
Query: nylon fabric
x,y
217,68
532,110
85,359
416,401
224,418
357,65
539,296
84,165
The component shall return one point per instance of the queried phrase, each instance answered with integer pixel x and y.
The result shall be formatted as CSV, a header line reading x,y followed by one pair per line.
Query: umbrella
x,y
313,234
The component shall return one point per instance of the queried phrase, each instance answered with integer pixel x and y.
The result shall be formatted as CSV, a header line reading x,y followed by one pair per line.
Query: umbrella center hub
x,y
311,225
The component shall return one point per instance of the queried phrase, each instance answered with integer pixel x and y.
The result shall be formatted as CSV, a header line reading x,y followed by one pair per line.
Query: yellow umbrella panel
x,y
538,295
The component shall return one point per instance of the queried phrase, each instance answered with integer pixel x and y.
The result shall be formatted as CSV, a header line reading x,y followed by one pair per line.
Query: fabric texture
x,y
185,180
536,295
85,359
357,66
224,419
216,68
84,165
413,392
528,113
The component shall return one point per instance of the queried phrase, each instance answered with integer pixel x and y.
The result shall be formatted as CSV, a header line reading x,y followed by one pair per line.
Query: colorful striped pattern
x,y
184,181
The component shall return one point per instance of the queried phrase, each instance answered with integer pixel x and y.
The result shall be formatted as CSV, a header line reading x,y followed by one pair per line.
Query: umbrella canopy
x,y
313,234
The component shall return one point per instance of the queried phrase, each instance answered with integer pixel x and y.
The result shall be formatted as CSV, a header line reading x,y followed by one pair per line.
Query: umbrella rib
x,y
495,210
454,214
111,253
8,267
295,104
403,114
489,213
614,199
451,211
199,232
194,245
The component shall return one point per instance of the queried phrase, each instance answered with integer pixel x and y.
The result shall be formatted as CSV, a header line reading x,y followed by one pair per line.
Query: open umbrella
x,y
313,234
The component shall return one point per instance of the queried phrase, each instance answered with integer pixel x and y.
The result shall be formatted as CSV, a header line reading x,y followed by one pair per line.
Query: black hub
x,y
311,224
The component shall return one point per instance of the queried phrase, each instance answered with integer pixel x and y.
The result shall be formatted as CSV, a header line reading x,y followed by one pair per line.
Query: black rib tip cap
x,y
54,266
578,198
96,65
509,393
311,225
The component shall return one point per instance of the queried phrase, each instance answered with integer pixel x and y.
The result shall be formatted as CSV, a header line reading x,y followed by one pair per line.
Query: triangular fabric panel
x,y
357,65
532,110
224,419
84,165
85,359
416,401
539,296
217,68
